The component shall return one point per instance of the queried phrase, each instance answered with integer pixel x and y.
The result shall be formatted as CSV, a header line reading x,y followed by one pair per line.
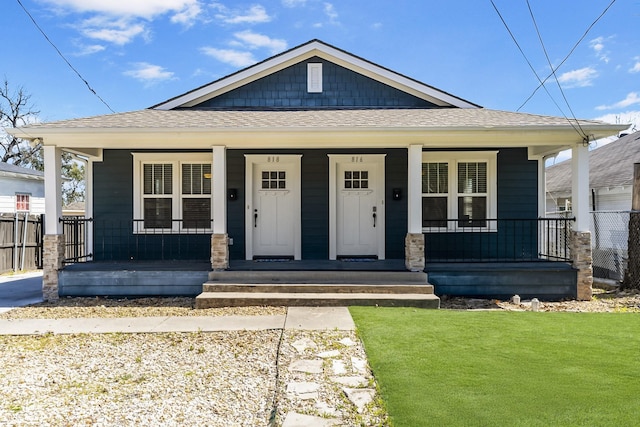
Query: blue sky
x,y
136,53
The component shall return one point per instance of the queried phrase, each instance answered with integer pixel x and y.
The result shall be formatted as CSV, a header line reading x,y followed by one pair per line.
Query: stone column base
x,y
582,260
220,251
52,258
414,252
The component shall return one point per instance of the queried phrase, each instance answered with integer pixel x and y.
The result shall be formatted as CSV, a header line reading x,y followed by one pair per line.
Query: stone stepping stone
x,y
308,366
303,390
293,419
328,354
351,381
326,410
359,365
338,367
347,342
360,397
302,344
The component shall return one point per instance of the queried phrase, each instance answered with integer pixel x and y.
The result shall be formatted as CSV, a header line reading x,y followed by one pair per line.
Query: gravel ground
x,y
134,307
195,379
611,301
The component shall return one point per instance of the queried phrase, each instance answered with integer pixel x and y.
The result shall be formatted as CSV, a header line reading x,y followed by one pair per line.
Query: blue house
x,y
319,159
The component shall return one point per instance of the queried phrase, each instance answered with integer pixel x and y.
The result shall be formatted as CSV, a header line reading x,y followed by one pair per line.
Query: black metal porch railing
x,y
498,240
129,240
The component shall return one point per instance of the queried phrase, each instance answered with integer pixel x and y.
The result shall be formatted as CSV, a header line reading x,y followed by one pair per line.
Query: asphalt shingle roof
x,y
609,166
437,118
7,167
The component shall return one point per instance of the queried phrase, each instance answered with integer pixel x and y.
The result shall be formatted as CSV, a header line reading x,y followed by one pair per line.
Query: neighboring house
x,y
21,190
323,158
610,177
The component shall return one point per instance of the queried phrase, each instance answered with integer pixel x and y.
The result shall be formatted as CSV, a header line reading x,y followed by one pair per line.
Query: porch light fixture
x,y
207,175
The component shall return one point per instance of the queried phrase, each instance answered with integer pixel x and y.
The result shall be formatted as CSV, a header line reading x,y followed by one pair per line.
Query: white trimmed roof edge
x,y
304,51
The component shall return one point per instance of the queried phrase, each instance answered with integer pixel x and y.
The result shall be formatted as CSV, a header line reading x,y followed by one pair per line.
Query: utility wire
x,y
532,68
63,57
553,70
544,49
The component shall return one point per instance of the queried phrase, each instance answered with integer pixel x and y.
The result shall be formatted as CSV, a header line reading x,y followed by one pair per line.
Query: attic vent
x,y
314,77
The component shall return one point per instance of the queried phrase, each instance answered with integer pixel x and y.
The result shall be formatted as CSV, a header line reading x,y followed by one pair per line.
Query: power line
x,y
63,57
553,70
531,67
544,49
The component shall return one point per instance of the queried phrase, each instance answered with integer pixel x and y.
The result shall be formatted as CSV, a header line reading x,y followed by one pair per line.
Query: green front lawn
x,y
447,368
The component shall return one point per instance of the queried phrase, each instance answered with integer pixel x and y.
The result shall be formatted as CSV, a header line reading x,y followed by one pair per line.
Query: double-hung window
x,y
458,191
172,192
23,202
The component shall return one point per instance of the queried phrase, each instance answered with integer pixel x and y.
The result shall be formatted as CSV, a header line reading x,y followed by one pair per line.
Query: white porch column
x,y
219,238
580,238
53,251
580,186
414,241
542,187
52,189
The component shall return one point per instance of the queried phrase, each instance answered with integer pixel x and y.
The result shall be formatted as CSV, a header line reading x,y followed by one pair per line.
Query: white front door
x,y
357,223
273,206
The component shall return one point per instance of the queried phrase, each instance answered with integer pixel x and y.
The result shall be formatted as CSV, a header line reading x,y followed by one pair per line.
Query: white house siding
x,y
10,186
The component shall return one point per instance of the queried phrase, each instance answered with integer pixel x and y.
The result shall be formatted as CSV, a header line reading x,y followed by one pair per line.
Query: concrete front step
x,y
241,299
334,288
319,276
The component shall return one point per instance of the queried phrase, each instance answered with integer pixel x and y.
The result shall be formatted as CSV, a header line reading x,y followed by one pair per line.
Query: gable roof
x,y
7,169
315,48
609,166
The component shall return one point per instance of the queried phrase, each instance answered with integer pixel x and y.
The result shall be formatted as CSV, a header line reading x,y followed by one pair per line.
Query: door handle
x,y
374,216
255,218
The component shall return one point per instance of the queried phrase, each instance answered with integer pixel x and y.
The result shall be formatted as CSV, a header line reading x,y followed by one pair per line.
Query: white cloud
x,y
631,116
120,21
229,56
119,31
636,66
131,8
631,99
90,49
256,14
598,47
187,16
331,12
578,78
376,25
149,73
255,40
293,3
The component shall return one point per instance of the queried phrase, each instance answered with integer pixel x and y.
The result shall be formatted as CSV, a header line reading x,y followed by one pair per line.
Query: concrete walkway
x,y
306,318
20,289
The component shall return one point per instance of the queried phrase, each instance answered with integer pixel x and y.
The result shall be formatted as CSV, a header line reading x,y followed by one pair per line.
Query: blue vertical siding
x,y
341,88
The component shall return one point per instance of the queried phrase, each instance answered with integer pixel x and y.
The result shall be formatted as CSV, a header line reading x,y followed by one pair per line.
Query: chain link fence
x,y
609,240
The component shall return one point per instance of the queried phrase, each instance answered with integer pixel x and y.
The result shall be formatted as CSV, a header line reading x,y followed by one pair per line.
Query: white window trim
x,y
15,202
176,159
314,77
453,158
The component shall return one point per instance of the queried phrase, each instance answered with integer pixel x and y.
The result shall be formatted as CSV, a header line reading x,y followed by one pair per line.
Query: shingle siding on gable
x,y
341,88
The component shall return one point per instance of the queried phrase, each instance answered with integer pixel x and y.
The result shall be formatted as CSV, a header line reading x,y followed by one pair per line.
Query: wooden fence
x,y
20,242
